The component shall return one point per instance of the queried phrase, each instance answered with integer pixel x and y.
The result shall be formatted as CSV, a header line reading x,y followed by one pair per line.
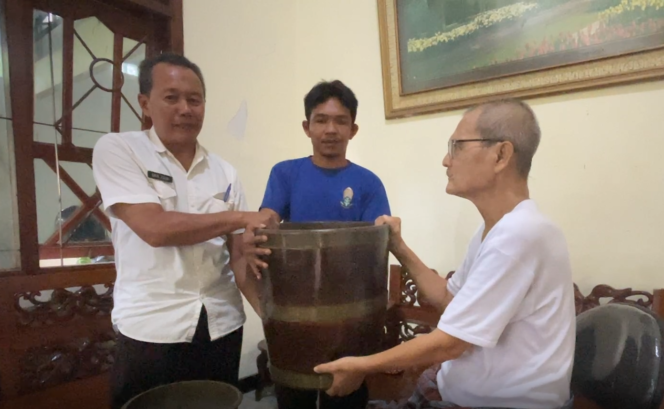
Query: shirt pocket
x,y
212,202
167,195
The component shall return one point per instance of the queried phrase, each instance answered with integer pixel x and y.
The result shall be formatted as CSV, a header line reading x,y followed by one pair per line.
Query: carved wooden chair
x,y
408,318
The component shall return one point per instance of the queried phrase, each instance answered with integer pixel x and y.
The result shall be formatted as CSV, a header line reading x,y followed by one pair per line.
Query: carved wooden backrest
x,y
602,291
410,317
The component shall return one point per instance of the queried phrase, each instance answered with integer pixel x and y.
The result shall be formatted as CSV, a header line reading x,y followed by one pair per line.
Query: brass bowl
x,y
188,395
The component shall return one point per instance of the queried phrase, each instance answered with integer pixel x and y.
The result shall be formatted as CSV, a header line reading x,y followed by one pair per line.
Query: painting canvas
x,y
463,51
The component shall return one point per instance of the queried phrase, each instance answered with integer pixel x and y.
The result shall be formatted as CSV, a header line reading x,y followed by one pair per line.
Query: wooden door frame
x,y
19,40
166,17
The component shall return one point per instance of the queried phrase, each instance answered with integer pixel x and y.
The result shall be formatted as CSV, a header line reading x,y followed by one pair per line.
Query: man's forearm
x,y
184,229
422,351
247,283
431,287
251,291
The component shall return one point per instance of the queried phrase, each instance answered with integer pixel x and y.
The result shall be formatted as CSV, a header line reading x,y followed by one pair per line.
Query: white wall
x,y
598,172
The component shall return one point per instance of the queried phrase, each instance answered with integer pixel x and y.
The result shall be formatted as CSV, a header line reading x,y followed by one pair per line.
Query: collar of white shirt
x,y
201,152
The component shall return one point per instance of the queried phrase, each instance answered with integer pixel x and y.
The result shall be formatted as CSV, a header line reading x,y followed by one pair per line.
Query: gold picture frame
x,y
622,69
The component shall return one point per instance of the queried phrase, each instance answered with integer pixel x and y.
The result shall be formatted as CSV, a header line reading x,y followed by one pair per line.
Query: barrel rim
x,y
351,226
238,394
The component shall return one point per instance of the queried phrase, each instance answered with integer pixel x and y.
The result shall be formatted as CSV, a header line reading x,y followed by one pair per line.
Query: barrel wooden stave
x,y
302,346
348,276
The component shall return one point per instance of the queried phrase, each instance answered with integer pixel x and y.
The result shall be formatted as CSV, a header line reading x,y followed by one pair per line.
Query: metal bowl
x,y
188,395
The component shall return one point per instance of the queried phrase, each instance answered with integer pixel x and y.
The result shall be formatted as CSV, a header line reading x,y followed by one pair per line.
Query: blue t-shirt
x,y
300,191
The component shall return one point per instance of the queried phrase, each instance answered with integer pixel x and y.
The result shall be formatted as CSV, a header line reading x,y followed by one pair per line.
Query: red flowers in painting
x,y
597,33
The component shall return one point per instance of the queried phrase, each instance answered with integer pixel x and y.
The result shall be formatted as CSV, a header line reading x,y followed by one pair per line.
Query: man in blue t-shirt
x,y
326,186
323,187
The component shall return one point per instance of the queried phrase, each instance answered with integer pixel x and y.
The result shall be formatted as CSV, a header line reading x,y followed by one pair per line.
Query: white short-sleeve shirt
x,y
514,301
159,292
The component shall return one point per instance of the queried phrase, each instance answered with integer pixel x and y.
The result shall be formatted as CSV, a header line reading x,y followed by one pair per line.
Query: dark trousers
x,y
140,366
288,398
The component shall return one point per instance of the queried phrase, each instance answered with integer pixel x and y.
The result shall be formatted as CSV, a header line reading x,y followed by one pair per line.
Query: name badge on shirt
x,y
159,176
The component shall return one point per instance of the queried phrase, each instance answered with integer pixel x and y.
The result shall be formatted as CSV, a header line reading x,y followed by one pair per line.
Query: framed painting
x,y
440,55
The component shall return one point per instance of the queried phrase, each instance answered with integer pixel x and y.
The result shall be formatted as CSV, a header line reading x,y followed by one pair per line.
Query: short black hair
x,y
145,69
325,90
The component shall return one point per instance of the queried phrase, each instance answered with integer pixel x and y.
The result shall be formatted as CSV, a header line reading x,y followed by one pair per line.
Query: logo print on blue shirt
x,y
347,202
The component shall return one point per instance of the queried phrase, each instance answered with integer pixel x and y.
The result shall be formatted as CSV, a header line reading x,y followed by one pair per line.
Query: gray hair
x,y
147,65
512,121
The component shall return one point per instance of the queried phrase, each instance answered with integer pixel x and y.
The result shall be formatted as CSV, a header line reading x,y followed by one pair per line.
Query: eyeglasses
x,y
452,143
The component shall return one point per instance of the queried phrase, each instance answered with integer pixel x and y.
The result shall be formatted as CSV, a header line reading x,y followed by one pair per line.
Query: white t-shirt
x,y
159,292
514,301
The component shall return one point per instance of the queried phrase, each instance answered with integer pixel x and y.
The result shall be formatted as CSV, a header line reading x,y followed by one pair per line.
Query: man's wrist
x,y
234,219
401,250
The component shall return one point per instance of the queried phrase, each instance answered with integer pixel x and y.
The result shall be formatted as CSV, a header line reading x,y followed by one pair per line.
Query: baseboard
x,y
248,384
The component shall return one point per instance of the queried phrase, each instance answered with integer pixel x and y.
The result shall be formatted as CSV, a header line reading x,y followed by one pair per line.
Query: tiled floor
x,y
249,402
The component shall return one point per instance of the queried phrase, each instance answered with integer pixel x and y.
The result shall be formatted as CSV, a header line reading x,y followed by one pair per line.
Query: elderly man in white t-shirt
x,y
174,210
507,330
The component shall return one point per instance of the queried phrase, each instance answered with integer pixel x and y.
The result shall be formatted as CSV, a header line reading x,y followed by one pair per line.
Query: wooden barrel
x,y
324,297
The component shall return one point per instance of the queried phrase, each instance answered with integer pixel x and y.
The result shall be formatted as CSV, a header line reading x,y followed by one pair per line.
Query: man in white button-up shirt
x,y
174,209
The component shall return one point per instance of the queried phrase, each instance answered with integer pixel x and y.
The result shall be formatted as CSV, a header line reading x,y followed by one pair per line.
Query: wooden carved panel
x,y
400,328
63,305
410,330
584,303
52,365
409,292
415,316
408,289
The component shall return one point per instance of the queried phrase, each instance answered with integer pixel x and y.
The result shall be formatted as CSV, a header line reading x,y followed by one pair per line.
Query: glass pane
x,y
81,173
10,254
129,121
72,229
46,134
9,226
47,30
48,206
96,36
93,42
130,116
85,139
5,111
128,45
84,241
73,177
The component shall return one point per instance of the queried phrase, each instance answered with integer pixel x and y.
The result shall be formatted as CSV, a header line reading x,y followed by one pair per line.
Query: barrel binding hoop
x,y
327,313
299,380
